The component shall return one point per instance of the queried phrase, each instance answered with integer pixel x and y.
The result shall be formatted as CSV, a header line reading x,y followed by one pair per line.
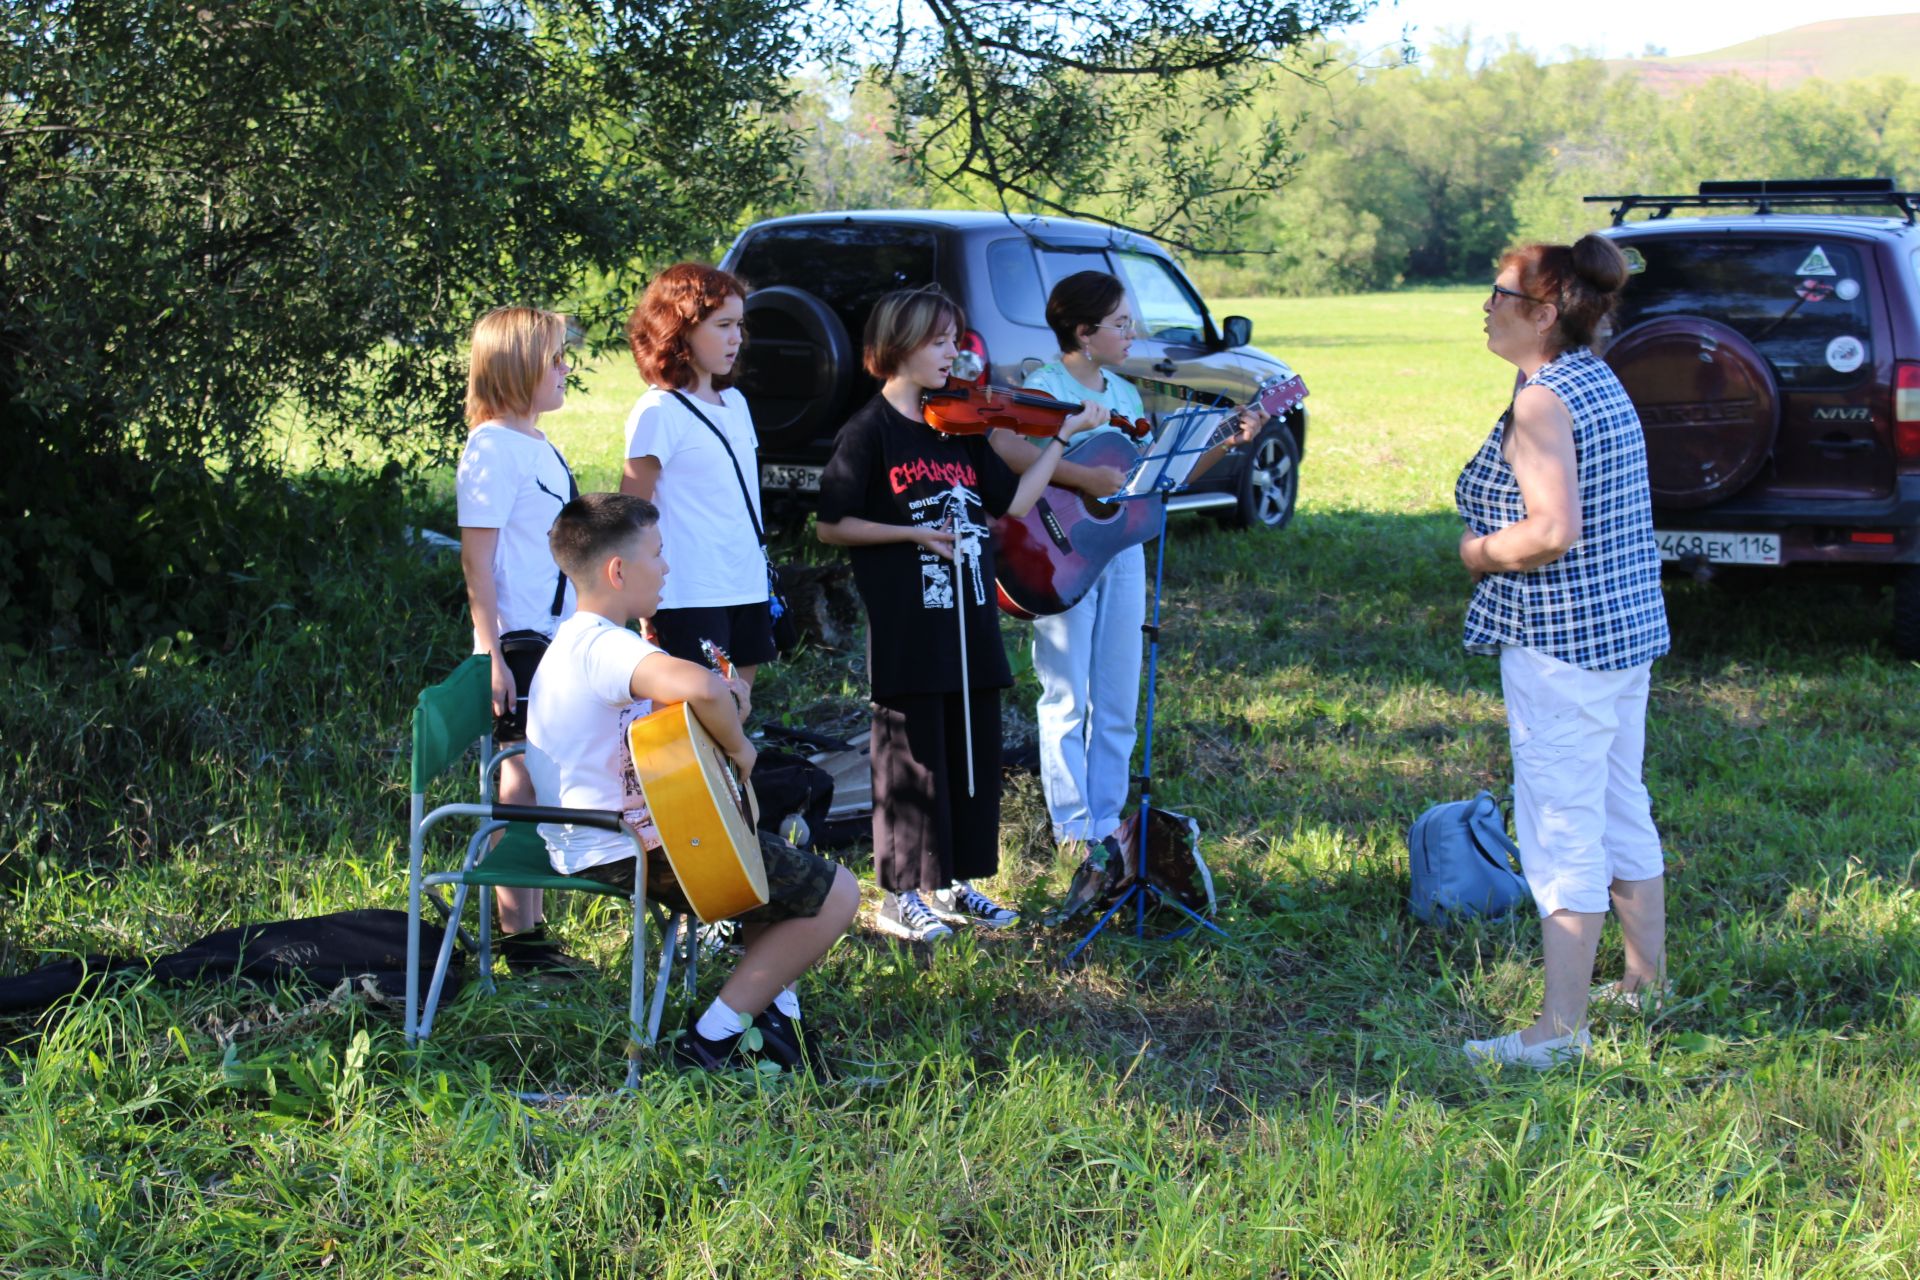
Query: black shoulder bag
x,y
786,631
535,642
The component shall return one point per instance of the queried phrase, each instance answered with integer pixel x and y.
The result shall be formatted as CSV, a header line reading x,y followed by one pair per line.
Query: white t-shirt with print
x,y
705,535
577,751
517,484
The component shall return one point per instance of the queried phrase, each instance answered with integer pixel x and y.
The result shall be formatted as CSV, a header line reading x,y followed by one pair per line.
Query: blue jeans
x,y
1088,661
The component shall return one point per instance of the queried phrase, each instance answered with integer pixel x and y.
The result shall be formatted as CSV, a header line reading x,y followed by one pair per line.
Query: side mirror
x,y
1236,331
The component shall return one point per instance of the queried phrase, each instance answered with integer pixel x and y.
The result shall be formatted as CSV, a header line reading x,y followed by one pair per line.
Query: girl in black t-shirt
x,y
913,507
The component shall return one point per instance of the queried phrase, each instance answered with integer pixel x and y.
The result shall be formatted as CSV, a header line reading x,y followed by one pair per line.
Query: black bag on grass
x,y
794,794
318,951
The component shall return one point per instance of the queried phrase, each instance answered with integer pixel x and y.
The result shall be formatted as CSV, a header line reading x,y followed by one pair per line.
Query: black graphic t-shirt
x,y
893,469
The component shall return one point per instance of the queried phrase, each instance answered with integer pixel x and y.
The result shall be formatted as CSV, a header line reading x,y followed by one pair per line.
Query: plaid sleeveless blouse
x,y
1598,606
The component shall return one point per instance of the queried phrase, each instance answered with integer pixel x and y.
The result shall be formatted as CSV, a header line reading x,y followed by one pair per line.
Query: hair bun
x,y
1598,261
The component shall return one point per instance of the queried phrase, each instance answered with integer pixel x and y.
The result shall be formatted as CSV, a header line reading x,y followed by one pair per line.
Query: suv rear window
x,y
1015,280
1801,301
847,267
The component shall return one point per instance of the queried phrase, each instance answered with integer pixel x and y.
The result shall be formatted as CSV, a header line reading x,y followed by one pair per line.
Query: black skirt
x,y
927,831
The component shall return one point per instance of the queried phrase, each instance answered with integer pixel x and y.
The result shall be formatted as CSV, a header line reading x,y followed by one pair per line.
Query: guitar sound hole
x,y
735,791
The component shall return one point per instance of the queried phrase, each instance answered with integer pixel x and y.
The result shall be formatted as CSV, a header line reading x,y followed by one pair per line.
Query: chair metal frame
x,y
497,818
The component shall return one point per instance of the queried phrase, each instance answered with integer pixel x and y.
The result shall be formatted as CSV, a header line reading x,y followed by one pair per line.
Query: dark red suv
x,y
1774,357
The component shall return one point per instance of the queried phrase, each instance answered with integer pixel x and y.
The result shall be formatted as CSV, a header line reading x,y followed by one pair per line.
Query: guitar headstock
x,y
717,658
1279,394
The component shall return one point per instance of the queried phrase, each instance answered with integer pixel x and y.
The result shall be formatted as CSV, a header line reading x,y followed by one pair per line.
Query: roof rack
x,y
1767,196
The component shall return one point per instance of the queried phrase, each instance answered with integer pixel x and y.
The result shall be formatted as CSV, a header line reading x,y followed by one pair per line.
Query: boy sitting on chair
x,y
595,679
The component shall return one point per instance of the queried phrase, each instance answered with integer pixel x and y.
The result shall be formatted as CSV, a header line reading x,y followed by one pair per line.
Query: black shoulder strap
x,y
573,491
738,474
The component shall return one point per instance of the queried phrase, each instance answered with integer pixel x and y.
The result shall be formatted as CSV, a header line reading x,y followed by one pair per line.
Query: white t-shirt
x,y
705,534
517,484
577,720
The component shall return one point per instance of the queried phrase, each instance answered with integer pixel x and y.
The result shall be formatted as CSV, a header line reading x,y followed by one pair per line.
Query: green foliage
x,y
1114,115
212,215
221,222
1425,172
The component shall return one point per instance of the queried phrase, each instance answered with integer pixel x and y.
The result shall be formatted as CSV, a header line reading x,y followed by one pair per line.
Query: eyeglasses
x,y
1500,291
1129,328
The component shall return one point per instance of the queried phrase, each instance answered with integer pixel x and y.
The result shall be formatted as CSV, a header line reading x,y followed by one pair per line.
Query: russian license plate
x,y
1719,547
781,475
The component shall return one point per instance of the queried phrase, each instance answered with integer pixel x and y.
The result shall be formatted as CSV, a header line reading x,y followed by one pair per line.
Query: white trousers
x,y
1088,661
1580,810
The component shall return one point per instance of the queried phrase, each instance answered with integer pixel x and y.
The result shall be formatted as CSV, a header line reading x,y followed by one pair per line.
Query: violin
x,y
962,408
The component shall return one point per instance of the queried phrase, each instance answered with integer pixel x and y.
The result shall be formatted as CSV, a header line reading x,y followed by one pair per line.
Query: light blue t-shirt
x,y
1118,396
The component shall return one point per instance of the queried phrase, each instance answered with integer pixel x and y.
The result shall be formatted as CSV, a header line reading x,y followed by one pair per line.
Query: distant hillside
x,y
1843,49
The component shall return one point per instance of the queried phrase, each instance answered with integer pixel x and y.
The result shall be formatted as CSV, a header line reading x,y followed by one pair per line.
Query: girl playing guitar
x,y
1088,658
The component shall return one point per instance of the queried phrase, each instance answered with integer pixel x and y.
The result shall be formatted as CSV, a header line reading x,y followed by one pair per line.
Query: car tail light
x,y
1906,412
974,345
1871,537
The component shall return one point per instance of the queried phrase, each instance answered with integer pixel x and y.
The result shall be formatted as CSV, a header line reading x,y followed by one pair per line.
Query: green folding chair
x,y
449,718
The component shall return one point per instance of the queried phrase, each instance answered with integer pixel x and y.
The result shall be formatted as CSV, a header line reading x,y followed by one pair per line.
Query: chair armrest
x,y
601,819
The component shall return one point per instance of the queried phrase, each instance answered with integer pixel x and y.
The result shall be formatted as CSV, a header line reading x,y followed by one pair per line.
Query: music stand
x,y
1171,459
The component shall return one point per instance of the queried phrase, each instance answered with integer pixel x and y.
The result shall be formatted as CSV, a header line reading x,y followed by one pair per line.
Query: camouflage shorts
x,y
797,881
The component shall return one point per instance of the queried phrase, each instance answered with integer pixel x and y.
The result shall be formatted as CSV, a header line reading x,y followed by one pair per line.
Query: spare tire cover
x,y
1708,404
796,368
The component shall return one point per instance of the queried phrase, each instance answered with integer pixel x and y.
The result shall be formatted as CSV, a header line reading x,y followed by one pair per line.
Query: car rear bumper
x,y
1820,531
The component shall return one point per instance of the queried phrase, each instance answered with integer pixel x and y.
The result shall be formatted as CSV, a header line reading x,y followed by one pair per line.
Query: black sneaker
x,y
531,951
785,1041
694,1050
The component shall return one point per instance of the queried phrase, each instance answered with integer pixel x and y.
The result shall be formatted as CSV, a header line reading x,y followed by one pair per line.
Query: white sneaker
x,y
961,903
1507,1049
907,915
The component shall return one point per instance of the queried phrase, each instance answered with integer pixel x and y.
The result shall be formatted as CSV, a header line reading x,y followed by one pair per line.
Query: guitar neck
x,y
1272,399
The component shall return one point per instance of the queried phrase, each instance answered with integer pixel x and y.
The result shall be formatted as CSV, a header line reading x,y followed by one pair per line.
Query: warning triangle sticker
x,y
1817,264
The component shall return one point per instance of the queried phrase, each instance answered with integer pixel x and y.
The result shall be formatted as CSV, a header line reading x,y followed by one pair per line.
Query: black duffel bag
x,y
794,794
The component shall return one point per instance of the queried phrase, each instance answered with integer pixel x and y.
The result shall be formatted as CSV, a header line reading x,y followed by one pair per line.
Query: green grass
x,y
1286,1102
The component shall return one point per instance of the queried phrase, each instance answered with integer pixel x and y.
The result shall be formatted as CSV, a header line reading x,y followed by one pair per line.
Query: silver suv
x,y
815,277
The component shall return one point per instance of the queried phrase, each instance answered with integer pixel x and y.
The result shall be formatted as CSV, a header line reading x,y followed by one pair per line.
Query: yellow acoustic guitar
x,y
707,817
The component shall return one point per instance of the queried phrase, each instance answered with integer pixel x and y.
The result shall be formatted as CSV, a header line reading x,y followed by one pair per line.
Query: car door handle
x,y
1845,444
1166,366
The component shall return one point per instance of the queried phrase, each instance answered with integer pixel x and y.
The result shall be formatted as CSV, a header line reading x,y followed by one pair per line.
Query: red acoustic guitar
x,y
1047,560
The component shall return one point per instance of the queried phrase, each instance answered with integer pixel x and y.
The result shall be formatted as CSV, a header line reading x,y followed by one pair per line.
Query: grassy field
x,y
1288,1101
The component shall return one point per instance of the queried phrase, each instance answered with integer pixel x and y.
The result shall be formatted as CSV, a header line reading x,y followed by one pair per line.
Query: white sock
x,y
788,1003
719,1022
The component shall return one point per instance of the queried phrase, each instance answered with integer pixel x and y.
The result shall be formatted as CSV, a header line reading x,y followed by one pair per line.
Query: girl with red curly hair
x,y
692,452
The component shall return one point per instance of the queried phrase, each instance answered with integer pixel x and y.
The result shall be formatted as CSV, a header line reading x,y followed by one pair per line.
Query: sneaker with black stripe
x,y
963,904
907,915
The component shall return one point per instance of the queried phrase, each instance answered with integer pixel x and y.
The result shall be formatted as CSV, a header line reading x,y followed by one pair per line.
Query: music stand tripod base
x,y
1137,893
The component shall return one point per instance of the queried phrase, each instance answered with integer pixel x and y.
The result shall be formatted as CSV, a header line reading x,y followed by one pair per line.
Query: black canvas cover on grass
x,y
318,951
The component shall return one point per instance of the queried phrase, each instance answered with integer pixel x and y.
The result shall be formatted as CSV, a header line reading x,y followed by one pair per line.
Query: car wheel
x,y
1709,406
1269,482
797,369
1906,611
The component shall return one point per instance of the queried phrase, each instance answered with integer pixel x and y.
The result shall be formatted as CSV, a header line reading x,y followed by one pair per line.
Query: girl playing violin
x,y
1088,658
913,507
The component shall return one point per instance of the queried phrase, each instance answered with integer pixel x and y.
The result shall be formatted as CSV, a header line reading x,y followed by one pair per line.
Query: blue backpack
x,y
1463,862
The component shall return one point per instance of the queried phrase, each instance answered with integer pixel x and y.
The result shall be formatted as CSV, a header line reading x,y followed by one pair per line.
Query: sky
x,y
1614,28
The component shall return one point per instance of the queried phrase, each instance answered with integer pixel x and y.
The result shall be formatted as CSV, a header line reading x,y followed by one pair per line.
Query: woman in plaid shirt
x,y
1559,541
